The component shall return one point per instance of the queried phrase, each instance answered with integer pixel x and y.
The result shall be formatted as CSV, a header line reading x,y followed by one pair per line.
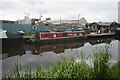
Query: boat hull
x,y
9,42
117,34
59,40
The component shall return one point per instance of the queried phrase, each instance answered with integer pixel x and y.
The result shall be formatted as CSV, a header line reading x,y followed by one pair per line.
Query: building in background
x,y
26,20
79,22
119,12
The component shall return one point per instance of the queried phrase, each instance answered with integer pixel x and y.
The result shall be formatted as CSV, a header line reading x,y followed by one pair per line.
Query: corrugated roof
x,y
81,21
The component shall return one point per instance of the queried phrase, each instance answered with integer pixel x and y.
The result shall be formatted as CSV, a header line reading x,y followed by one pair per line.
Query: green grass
x,y
71,69
115,70
29,35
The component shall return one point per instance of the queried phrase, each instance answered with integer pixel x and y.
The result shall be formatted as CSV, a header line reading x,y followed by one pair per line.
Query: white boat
x,y
3,34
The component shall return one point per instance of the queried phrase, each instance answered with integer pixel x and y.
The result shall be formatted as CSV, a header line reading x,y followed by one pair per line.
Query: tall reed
x,y
72,69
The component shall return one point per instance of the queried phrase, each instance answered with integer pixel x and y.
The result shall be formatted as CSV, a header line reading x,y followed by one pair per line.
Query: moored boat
x,y
59,36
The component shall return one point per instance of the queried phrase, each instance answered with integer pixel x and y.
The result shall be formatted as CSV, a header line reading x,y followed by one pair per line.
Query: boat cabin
x,y
102,27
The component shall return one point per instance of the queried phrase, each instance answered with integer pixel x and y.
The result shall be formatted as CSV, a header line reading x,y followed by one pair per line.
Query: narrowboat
x,y
57,37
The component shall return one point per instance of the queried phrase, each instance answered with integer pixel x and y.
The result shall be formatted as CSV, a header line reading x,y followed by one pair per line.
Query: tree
x,y
114,26
87,25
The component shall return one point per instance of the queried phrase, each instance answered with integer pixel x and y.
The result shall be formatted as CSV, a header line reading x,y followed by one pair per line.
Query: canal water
x,y
32,55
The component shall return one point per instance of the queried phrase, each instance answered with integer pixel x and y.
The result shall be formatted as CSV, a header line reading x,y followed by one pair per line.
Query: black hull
x,y
15,40
101,36
9,42
117,35
57,41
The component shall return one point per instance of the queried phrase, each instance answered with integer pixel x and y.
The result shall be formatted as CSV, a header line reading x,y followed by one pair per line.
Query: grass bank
x,y
99,68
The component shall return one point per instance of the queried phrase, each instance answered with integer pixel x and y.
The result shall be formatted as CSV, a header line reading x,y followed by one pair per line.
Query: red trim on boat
x,y
57,35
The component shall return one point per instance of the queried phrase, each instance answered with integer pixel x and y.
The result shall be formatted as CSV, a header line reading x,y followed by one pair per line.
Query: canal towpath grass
x,y
100,68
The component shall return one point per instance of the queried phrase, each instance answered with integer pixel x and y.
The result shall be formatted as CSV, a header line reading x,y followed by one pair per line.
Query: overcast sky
x,y
92,10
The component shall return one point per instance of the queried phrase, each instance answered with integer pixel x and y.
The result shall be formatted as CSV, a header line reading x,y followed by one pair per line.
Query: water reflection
x,y
21,48
32,55
60,48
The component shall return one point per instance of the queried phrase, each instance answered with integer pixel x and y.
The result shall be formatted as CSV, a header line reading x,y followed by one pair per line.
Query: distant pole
x,y
78,18
119,12
27,14
40,17
60,19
